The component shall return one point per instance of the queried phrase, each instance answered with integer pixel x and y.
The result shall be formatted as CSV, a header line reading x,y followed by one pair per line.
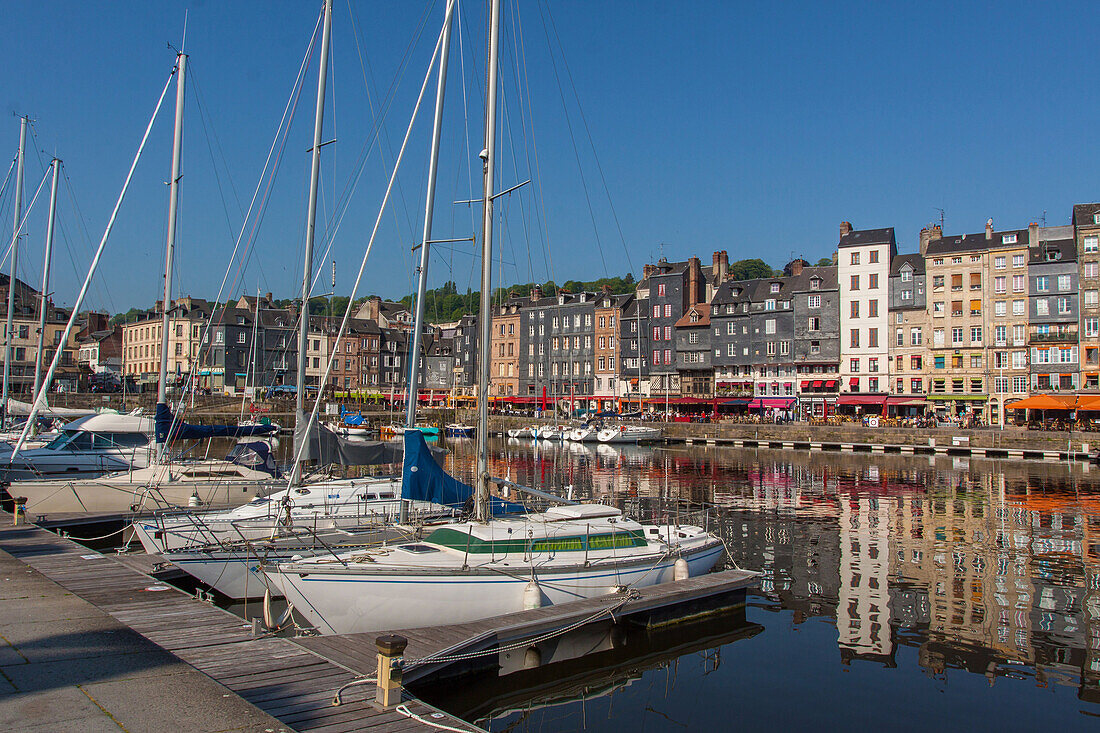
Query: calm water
x,y
906,592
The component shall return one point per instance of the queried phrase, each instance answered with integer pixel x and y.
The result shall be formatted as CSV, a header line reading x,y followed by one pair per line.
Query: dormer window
x,y
1053,254
906,273
694,317
561,300
815,283
240,320
1008,239
1096,218
735,292
775,287
583,297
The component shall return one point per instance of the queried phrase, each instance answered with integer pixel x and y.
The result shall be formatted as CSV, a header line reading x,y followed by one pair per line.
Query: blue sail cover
x,y
350,419
255,455
183,431
423,479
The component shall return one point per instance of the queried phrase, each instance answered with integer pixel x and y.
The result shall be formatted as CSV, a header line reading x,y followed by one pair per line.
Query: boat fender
x,y
194,500
680,569
269,620
285,617
532,658
532,596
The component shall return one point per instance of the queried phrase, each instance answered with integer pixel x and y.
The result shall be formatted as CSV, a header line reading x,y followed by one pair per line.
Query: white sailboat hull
x,y
629,435
351,603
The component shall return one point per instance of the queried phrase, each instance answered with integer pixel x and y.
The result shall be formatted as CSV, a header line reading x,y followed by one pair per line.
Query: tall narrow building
x,y
863,269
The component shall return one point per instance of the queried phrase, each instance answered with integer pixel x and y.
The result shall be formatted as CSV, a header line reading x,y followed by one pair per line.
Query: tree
x,y
825,262
750,269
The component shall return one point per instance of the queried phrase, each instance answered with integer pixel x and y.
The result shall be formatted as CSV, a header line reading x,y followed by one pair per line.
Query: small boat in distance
x,y
456,430
628,434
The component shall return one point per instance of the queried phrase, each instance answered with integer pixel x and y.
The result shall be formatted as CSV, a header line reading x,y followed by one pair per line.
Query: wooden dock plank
x,y
270,672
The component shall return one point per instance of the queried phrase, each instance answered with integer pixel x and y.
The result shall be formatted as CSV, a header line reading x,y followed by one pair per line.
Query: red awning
x,y
806,384
831,384
861,399
769,402
900,401
853,382
817,384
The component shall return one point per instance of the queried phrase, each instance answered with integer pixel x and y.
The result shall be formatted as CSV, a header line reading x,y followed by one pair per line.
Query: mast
x,y
429,207
252,357
14,256
56,165
170,247
481,493
311,225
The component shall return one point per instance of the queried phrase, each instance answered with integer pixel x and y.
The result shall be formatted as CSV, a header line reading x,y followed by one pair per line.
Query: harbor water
x,y
915,592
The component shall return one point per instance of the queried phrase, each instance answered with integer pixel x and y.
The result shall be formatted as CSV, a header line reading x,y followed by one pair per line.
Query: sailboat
x,y
489,565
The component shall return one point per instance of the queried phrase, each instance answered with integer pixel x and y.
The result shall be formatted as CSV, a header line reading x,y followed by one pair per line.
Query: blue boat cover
x,y
350,419
423,479
183,431
256,455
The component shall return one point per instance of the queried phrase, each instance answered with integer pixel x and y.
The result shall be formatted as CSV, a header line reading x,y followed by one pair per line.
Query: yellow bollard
x,y
20,510
390,650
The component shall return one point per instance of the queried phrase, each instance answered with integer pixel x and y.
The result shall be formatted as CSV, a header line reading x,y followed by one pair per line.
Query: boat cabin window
x,y
386,495
71,440
119,440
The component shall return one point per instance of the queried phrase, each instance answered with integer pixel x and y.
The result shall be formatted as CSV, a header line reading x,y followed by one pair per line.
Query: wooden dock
x,y
277,675
294,680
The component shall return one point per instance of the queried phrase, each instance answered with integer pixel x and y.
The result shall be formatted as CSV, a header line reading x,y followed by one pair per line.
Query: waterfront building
x,y
393,353
321,328
863,268
671,288
1086,231
385,313
1053,309
464,348
909,330
609,354
504,349
571,346
100,351
816,307
187,318
634,339
956,266
1006,317
249,349
693,353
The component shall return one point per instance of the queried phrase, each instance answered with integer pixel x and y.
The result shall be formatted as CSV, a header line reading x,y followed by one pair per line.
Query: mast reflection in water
x,y
897,591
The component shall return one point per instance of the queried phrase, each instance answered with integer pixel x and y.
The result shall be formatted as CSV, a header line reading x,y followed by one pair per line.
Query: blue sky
x,y
674,128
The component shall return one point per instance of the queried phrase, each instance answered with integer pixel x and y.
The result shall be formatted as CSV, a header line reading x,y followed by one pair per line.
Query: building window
x,y
906,294
872,338
854,338
1042,284
1042,307
813,324
813,301
957,335
1091,298
873,256
872,281
872,308
661,290
853,365
855,258
906,274
855,282
872,364
1091,243
1008,239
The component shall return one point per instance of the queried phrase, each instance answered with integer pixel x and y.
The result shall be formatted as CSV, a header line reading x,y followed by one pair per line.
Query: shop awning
x,y
965,398
831,384
736,403
1039,402
817,384
853,382
900,401
771,402
861,399
806,384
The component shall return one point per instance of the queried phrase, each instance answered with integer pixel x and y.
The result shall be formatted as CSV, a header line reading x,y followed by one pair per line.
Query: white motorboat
x,y
88,446
628,434
455,430
532,432
476,570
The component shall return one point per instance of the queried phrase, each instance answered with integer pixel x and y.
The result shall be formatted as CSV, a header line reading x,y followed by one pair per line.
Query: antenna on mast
x,y
941,216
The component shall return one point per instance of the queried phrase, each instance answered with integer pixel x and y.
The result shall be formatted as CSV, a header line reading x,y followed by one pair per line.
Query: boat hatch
x,y
581,511
418,549
301,492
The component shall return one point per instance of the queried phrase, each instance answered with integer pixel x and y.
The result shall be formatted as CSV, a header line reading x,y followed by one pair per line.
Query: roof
x,y
960,243
702,310
863,237
1083,214
1066,251
760,289
915,261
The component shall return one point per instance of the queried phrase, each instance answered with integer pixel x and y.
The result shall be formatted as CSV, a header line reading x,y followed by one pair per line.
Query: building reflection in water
x,y
992,567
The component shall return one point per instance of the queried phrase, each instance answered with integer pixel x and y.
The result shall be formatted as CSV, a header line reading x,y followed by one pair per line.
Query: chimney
x,y
648,270
928,234
606,289
720,267
1033,234
989,228
845,228
536,293
795,267
694,283
375,307
269,299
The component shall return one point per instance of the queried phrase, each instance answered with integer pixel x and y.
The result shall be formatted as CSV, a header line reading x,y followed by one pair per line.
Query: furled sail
x,y
423,479
166,430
